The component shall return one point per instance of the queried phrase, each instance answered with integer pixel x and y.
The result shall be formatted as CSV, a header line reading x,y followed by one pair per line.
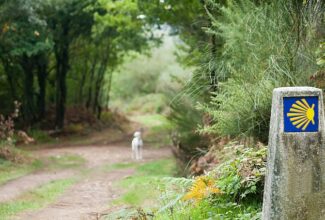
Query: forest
x,y
78,77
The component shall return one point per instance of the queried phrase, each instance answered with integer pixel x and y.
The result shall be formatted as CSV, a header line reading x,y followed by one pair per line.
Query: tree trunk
x,y
92,75
98,86
83,80
41,77
28,96
9,71
62,67
97,107
109,89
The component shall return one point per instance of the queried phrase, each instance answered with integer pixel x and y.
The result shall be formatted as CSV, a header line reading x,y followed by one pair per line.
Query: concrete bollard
x,y
295,177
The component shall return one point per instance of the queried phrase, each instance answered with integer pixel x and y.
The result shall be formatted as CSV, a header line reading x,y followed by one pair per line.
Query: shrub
x,y
12,154
233,190
188,143
74,128
7,127
265,45
40,136
243,176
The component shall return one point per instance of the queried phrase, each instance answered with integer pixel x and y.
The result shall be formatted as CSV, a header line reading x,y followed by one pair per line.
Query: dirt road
x,y
93,192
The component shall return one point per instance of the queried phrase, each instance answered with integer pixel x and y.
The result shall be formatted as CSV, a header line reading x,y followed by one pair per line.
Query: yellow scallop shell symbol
x,y
301,114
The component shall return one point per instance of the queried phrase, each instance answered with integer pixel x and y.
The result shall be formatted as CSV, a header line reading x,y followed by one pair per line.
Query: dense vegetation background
x,y
208,67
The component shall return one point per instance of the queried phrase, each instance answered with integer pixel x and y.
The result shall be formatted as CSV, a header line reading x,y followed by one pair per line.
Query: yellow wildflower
x,y
202,188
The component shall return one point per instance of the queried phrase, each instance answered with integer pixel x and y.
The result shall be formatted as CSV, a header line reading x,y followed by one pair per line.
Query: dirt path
x,y
93,193
17,187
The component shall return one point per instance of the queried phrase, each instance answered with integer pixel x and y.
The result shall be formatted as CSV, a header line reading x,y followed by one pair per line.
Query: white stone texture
x,y
295,178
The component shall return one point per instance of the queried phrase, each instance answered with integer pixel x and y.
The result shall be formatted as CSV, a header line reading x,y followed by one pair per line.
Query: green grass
x,y
159,168
10,171
117,166
142,187
142,190
156,129
35,199
146,104
151,120
40,136
65,161
214,211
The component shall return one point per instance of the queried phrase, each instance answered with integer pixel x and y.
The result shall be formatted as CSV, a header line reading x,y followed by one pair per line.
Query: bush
x,y
233,190
185,118
7,127
242,177
265,45
146,104
12,154
74,128
40,136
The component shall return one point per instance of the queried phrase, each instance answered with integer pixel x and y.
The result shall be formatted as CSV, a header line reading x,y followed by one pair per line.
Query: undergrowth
x,y
233,190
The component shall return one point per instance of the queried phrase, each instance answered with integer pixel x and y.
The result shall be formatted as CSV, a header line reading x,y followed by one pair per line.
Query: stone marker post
x,y
295,177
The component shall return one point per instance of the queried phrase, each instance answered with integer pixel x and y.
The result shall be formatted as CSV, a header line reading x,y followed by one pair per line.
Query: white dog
x,y
137,145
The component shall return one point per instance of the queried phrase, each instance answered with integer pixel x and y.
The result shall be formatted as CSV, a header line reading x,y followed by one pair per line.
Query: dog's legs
x,y
133,151
137,152
140,152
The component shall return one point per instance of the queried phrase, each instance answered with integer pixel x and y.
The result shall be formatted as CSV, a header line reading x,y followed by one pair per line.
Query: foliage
x,y
202,188
8,138
140,88
187,19
40,136
243,176
263,48
185,118
22,32
151,103
320,52
14,155
23,42
63,52
57,54
7,127
205,210
233,190
74,129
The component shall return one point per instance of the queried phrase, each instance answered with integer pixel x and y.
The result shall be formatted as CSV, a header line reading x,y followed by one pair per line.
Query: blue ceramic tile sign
x,y
300,114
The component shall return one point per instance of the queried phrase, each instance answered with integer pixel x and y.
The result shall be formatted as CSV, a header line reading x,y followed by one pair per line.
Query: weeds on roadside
x,y
233,190
7,126
7,137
